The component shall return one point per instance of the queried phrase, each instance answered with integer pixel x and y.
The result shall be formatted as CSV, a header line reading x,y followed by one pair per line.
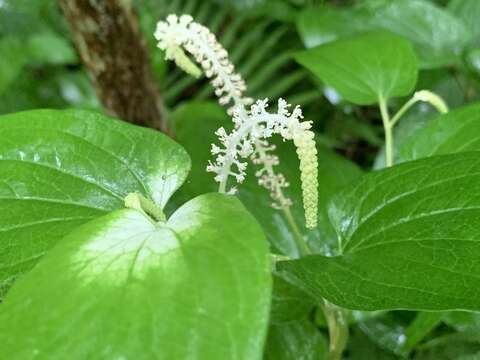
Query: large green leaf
x,y
124,287
60,169
365,67
196,124
321,25
468,11
409,239
456,131
438,36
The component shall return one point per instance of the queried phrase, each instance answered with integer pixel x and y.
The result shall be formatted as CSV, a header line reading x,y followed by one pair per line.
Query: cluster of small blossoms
x,y
274,182
253,125
249,139
178,33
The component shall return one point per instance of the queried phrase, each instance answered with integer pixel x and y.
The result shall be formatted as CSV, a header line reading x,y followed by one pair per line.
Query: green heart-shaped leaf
x,y
408,237
322,24
438,37
60,169
365,67
468,11
124,287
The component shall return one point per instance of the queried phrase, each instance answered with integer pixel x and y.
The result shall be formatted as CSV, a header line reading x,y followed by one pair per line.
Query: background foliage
x,y
268,41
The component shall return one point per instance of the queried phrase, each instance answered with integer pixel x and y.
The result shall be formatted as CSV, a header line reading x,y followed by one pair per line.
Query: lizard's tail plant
x,y
254,125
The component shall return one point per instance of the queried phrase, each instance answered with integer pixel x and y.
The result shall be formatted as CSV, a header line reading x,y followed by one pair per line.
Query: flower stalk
x,y
254,125
389,123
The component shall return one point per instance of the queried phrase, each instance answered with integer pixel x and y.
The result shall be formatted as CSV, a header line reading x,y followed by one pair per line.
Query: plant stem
x,y
425,96
403,110
387,125
222,187
302,246
336,316
337,329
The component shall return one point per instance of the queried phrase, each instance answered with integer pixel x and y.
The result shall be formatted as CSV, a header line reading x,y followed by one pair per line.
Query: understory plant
x,y
119,242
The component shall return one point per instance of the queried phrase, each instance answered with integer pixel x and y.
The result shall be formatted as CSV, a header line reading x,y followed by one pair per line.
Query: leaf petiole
x,y
388,127
148,207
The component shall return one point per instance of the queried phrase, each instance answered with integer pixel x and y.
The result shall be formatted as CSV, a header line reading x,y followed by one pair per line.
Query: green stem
x,y
336,316
403,110
387,125
302,245
425,96
222,188
337,329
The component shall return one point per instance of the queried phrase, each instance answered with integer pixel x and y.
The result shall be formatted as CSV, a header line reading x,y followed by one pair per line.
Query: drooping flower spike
x,y
254,125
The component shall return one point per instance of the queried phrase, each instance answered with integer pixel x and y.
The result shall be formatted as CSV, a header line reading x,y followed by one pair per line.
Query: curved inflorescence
x,y
254,125
177,34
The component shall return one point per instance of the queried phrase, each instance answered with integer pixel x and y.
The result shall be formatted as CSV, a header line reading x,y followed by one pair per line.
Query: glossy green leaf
x,y
469,12
408,237
60,169
124,287
295,340
365,67
456,131
324,24
438,36
196,124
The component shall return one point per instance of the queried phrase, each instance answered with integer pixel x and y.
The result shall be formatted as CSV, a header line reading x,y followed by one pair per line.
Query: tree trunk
x,y
107,36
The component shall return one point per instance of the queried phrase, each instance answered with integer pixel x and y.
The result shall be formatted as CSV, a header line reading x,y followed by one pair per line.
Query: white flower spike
x,y
177,34
253,125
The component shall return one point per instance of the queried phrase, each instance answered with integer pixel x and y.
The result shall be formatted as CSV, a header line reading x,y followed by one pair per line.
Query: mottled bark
x,y
107,36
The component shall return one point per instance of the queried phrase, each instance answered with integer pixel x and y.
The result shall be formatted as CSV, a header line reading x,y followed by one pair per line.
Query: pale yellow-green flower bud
x,y
184,63
433,99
